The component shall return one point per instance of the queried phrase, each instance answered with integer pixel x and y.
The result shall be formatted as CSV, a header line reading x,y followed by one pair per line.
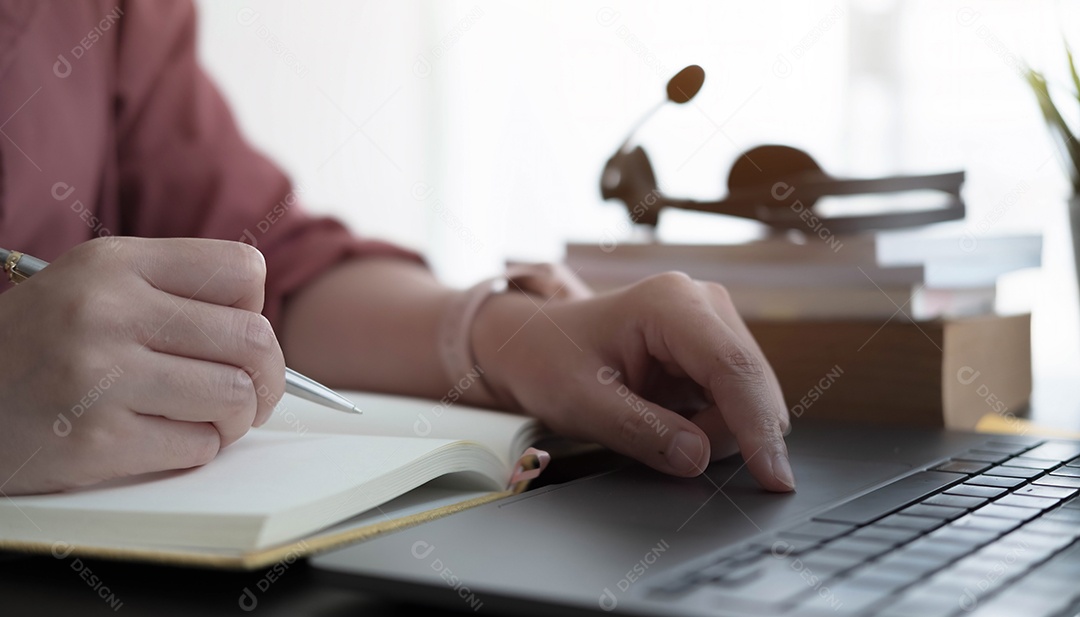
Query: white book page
x,y
267,488
507,434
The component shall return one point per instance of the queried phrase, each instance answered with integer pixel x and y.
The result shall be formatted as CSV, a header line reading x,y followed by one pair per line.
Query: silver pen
x,y
20,267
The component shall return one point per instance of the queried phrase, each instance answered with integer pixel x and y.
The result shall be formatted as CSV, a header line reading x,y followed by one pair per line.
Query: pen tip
x,y
356,410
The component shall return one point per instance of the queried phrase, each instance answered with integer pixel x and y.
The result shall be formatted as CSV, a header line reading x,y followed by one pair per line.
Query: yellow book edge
x,y
256,559
1000,425
303,547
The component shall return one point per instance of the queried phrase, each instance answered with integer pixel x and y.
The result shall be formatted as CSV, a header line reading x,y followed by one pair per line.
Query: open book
x,y
310,479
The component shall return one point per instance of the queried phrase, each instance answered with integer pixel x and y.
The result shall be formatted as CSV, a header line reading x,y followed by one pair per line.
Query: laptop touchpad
x,y
723,505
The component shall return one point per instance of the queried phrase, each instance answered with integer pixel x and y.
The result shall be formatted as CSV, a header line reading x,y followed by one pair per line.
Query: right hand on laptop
x,y
129,355
664,371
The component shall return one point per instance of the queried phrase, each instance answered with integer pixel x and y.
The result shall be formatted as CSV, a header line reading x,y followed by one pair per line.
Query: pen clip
x,y
10,264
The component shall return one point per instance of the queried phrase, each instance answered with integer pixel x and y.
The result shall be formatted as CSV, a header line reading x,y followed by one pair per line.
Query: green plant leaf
x,y
1072,72
1056,122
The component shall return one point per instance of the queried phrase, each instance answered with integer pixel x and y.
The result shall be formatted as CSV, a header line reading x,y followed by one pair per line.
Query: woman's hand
x,y
127,356
664,371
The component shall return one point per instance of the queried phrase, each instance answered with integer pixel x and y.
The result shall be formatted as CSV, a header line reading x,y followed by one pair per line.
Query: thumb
x,y
643,430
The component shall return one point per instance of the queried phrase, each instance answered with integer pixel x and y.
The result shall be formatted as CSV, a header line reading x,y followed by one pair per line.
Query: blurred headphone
x,y
774,184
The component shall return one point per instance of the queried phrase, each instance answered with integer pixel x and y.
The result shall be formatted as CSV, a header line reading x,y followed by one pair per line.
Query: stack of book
x,y
903,327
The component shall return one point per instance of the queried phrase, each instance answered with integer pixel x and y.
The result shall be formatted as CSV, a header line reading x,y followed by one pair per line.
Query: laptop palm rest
x,y
593,537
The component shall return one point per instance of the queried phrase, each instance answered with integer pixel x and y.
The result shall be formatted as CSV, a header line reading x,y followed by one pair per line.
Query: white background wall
x,y
475,130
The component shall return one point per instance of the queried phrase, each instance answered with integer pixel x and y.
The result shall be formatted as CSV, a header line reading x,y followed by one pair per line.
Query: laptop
x,y
885,521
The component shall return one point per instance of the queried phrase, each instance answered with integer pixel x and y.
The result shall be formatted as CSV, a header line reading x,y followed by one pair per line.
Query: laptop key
x,y
1013,448
968,536
982,456
922,606
892,536
1055,451
1064,515
1055,480
1027,501
889,498
916,564
819,530
1010,512
1065,564
776,582
955,501
866,548
823,563
968,467
792,546
973,490
845,598
1067,472
1054,528
1010,602
945,551
1024,538
1013,472
1052,492
1032,463
986,523
920,523
946,513
998,481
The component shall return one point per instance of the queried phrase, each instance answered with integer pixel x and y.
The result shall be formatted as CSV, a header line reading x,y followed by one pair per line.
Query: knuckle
x,y
766,421
259,337
92,442
99,247
201,451
236,390
718,292
86,310
630,429
670,280
744,363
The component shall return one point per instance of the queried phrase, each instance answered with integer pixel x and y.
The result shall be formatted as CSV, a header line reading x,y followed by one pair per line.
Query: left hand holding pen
x,y
664,371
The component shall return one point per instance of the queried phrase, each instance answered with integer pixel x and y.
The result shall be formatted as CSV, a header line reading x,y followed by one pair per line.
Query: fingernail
x,y
782,471
685,453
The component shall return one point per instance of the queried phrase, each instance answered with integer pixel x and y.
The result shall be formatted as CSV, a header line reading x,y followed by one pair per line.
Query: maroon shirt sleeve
x,y
185,169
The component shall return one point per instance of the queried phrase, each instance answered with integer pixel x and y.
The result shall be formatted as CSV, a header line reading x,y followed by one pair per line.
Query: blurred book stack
x,y
902,327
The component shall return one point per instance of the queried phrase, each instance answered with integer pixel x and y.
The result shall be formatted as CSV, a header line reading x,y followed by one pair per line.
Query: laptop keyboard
x,y
992,531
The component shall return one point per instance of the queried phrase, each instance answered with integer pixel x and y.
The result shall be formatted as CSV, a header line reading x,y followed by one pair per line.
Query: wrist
x,y
483,320
497,323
